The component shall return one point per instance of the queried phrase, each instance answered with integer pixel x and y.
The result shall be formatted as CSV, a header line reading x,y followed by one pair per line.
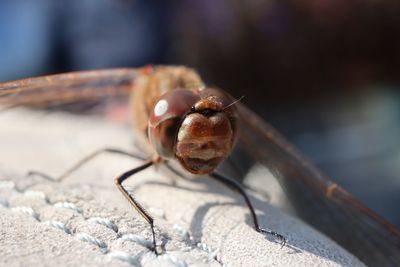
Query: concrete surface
x,y
85,221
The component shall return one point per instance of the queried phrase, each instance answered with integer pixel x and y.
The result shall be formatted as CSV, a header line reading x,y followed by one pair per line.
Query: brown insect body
x,y
183,119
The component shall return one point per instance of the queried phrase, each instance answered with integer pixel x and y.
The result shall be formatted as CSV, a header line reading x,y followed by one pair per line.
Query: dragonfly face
x,y
197,127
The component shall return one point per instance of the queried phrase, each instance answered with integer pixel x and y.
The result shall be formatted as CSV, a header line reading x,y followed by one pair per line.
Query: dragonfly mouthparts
x,y
200,166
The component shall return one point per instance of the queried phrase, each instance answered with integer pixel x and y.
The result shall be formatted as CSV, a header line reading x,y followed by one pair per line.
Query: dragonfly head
x,y
198,128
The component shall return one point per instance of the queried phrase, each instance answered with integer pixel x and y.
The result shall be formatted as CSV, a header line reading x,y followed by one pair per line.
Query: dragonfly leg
x,y
131,199
237,187
81,162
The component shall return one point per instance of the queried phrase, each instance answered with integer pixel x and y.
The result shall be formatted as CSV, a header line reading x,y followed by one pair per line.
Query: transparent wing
x,y
315,198
71,87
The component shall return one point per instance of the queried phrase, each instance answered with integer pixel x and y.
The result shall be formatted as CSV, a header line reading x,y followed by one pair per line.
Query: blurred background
x,y
325,73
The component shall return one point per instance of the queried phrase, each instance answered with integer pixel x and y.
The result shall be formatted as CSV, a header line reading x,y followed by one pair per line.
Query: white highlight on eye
x,y
161,107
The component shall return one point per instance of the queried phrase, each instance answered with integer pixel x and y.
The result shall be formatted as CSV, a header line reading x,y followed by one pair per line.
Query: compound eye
x,y
166,118
175,103
163,136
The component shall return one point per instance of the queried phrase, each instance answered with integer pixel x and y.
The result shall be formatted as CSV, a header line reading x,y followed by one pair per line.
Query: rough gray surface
x,y
85,221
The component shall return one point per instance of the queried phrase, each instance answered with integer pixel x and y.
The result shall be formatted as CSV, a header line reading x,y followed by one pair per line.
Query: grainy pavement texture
x,y
85,221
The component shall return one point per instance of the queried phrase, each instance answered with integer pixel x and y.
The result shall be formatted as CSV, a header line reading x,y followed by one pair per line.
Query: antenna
x,y
234,102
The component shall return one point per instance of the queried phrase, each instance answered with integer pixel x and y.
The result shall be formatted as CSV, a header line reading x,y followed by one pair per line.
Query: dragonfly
x,y
178,118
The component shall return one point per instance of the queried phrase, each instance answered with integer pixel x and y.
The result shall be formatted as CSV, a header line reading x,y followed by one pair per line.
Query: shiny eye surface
x,y
166,118
198,128
163,136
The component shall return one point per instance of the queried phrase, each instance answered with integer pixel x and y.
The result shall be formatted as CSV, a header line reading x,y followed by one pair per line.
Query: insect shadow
x,y
295,245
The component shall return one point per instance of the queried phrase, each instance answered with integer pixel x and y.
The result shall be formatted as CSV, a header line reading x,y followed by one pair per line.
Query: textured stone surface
x,y
85,221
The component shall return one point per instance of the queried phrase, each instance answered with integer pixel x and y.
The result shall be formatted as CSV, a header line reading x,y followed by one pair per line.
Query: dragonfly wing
x,y
317,199
64,88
